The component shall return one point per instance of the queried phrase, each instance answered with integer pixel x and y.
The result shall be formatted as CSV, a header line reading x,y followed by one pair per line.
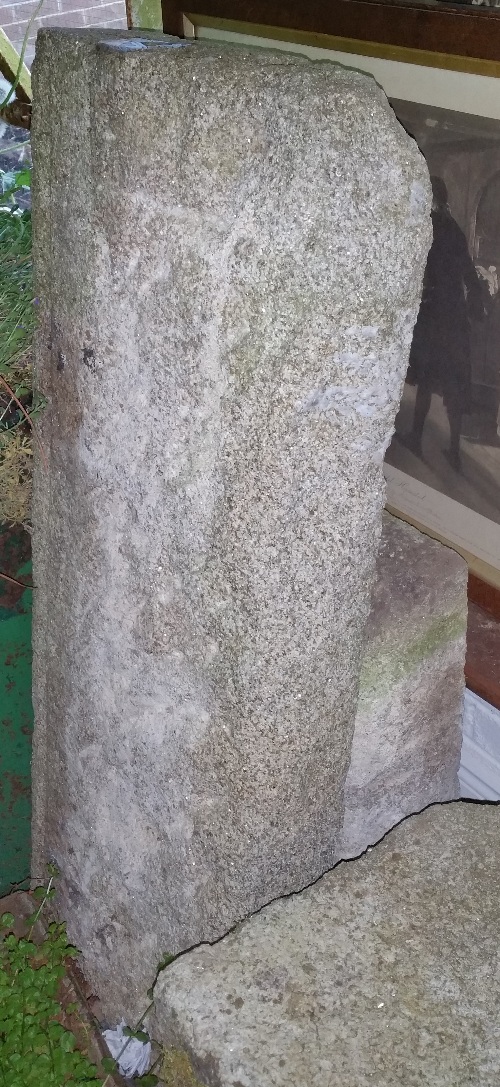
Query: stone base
x,y
408,733
384,972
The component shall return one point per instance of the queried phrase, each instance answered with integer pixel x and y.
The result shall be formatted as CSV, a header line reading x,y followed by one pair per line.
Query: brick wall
x,y
15,15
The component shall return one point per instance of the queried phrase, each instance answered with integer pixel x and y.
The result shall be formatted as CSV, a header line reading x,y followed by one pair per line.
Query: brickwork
x,y
15,15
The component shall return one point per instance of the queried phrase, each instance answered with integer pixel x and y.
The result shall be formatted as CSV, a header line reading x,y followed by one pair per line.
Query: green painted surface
x,y
16,720
146,14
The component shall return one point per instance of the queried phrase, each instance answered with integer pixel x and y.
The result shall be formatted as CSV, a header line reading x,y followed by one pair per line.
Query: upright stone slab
x,y
229,250
407,738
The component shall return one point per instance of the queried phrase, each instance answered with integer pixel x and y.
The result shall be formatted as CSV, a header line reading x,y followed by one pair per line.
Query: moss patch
x,y
386,666
177,1070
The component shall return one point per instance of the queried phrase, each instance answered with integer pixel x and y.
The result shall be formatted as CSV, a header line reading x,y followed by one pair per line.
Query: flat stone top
x,y
385,972
152,46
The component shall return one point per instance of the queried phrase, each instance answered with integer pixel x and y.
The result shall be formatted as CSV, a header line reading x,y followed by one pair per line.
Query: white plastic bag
x,y
135,1059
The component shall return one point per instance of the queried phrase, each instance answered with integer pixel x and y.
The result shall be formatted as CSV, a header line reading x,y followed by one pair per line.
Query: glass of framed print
x,y
443,465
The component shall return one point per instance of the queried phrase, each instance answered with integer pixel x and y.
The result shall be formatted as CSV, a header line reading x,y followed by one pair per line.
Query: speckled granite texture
x,y
229,251
408,730
385,973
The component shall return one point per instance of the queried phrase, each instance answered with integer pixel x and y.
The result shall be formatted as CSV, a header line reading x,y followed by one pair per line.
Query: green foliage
x,y
18,403
12,182
17,311
36,1050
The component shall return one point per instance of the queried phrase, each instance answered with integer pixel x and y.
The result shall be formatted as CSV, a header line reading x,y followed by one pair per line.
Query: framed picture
x,y
440,34
443,465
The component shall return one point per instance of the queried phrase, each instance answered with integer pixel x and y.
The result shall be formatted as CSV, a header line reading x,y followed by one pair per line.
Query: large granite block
x,y
385,972
229,249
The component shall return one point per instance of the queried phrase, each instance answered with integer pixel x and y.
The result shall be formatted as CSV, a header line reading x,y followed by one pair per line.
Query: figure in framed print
x,y
447,427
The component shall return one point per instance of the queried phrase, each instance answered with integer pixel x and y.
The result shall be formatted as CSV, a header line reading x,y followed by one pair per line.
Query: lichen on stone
x,y
177,1070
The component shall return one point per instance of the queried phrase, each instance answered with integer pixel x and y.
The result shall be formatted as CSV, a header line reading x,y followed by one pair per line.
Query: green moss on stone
x,y
386,665
177,1070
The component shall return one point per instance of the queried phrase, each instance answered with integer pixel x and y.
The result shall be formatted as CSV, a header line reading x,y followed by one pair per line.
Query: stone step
x,y
385,972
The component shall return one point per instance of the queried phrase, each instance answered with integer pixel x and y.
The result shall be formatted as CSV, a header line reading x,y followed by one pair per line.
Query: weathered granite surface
x,y
386,972
229,252
408,731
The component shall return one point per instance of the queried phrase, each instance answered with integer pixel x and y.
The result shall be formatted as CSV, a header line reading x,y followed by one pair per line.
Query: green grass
x,y
17,310
18,405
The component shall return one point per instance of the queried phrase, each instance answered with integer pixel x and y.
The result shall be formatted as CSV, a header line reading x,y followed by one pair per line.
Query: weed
x,y
16,457
18,404
36,1049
